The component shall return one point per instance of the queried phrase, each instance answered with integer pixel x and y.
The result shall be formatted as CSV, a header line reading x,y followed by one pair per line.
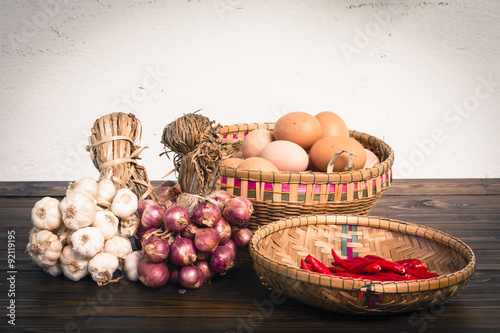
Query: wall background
x,y
423,75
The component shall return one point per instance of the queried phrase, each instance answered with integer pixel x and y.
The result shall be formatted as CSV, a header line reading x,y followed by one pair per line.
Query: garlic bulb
x,y
86,185
129,226
87,241
73,264
125,203
64,235
118,246
54,270
46,214
78,211
44,248
102,266
131,263
107,223
107,192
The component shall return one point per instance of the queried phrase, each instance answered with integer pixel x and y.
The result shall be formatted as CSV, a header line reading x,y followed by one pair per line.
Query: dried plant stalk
x,y
196,143
114,152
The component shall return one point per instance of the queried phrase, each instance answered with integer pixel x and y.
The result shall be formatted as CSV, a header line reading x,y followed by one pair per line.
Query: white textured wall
x,y
423,75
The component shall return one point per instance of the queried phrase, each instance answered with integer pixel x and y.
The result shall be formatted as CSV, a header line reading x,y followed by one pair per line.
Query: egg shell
x,y
231,162
332,124
255,141
257,164
299,127
286,156
371,159
322,152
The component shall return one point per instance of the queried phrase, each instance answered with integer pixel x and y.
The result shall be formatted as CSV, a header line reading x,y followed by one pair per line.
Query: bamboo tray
x,y
276,250
278,195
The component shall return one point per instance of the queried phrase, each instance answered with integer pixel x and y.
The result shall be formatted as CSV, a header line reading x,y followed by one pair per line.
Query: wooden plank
x,y
479,186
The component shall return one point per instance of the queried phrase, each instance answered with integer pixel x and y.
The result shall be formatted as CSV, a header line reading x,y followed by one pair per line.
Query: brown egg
x,y
331,124
371,159
323,151
257,164
231,162
255,141
298,127
286,156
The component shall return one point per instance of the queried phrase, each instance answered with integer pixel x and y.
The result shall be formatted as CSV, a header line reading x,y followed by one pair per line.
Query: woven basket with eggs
x,y
330,179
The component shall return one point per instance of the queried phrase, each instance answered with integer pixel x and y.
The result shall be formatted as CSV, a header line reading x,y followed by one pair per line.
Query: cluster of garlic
x,y
88,232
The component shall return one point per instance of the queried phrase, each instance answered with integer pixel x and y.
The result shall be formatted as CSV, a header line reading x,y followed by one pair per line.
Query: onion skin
x,y
206,239
152,274
221,197
152,217
182,252
238,212
224,230
206,214
174,271
191,277
241,238
155,249
204,265
190,231
222,259
168,191
230,243
143,205
176,218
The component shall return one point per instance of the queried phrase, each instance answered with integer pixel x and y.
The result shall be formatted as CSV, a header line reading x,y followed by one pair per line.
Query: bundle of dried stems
x,y
114,150
196,143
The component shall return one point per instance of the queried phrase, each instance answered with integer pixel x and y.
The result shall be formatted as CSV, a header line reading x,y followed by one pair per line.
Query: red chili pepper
x,y
305,265
317,265
422,275
338,260
371,256
413,264
359,267
361,277
334,269
386,264
372,268
387,276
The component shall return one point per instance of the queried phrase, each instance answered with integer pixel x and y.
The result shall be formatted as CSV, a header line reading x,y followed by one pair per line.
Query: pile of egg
x,y
301,142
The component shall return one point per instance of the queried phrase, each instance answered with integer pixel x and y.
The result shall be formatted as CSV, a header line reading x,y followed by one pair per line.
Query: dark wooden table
x,y
468,209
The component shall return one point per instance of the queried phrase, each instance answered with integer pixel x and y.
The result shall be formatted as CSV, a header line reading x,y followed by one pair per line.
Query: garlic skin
x,y
131,264
86,185
87,241
73,265
78,211
107,223
106,193
44,248
125,203
129,225
46,214
54,270
118,246
102,266
64,235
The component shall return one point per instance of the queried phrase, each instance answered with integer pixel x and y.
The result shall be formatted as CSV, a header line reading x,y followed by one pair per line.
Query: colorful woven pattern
x,y
278,195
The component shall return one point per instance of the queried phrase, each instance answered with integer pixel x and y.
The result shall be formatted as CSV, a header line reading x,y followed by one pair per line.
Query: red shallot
x,y
224,230
182,251
153,274
222,259
176,218
206,214
155,249
191,277
206,239
152,217
242,238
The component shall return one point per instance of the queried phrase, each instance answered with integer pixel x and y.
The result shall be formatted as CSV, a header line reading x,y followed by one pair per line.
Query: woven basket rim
x,y
374,287
310,176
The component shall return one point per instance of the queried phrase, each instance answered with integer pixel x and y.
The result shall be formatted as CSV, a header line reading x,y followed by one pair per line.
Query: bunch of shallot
x,y
189,249
88,232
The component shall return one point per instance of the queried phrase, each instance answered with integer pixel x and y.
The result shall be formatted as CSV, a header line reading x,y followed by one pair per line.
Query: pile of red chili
x,y
370,267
